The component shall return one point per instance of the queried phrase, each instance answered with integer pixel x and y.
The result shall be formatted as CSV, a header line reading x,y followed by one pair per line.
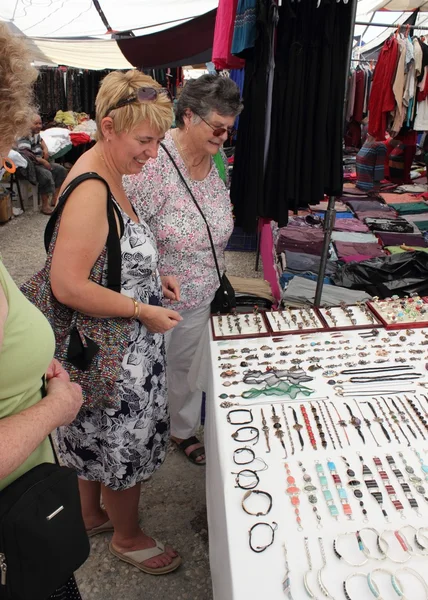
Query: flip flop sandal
x,y
137,557
106,527
191,441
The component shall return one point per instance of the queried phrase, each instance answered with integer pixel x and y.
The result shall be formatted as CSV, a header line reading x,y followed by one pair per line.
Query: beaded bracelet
x,y
388,422
319,426
332,423
326,426
412,417
328,497
308,427
278,429
404,419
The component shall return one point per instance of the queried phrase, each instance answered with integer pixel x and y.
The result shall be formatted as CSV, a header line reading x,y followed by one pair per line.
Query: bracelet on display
x,y
290,438
258,493
411,417
379,420
346,583
424,467
239,451
343,496
308,427
355,485
418,413
309,488
326,425
321,583
247,411
328,497
414,479
332,423
365,549
319,426
286,583
356,422
297,427
396,420
246,473
374,588
402,542
341,422
388,486
398,586
404,485
306,573
360,547
265,430
367,422
278,429
293,492
252,431
259,549
384,415
372,486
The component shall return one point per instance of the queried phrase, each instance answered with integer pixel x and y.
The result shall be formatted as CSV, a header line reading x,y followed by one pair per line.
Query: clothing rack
x,y
396,26
330,214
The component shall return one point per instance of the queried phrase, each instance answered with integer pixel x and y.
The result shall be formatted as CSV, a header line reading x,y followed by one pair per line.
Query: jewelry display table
x,y
311,496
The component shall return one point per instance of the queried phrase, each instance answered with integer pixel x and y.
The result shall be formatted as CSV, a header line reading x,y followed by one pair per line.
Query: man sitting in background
x,y
50,176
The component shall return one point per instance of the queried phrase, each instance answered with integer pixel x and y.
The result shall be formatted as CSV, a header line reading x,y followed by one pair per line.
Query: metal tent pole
x,y
331,213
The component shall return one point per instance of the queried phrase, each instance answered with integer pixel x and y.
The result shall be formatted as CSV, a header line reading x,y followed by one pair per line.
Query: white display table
x,y
237,572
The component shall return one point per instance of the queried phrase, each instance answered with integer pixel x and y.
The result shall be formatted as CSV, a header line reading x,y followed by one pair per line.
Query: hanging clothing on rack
x,y
223,34
382,100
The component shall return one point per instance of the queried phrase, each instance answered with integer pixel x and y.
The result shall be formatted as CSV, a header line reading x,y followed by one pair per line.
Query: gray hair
x,y
206,94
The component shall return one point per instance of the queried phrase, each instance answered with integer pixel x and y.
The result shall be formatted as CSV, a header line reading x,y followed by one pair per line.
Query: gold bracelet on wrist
x,y
136,309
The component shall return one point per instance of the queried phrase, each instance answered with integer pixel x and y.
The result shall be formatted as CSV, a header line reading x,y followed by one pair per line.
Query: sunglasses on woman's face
x,y
143,94
219,131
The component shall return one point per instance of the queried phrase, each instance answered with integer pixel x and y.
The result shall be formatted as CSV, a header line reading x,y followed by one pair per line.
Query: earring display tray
x,y
400,313
239,326
354,316
294,320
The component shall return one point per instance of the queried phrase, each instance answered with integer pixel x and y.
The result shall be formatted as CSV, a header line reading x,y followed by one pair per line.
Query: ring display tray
x,y
401,313
354,316
295,320
239,326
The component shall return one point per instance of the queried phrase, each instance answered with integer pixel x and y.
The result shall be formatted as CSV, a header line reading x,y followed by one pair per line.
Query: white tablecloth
x,y
240,574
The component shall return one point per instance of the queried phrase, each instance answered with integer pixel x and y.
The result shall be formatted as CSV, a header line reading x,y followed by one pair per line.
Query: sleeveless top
x,y
27,349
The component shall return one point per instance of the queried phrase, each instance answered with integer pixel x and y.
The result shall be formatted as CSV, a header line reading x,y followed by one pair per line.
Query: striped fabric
x,y
371,165
32,143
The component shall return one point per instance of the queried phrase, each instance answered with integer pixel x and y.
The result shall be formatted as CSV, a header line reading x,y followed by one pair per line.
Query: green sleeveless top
x,y
27,349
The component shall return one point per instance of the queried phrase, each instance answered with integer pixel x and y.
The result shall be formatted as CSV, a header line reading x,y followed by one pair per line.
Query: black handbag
x,y
224,300
42,534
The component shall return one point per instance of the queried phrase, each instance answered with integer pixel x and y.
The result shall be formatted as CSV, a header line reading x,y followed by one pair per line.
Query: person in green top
x,y
26,339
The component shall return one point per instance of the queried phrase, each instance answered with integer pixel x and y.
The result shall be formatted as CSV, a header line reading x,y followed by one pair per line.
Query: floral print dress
x,y
121,447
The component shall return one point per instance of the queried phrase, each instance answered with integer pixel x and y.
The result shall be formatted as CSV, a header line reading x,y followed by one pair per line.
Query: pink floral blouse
x,y
160,198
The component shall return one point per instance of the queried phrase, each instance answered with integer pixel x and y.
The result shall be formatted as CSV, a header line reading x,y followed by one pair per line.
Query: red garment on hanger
x,y
382,99
223,35
359,96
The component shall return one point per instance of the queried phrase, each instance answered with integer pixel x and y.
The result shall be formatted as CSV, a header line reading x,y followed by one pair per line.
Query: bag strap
x,y
113,240
198,207
44,393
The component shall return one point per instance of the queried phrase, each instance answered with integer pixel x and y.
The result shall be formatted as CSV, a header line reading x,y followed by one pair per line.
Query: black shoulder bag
x,y
224,300
42,534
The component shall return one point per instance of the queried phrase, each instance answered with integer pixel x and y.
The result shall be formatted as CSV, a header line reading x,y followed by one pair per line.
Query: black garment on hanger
x,y
305,154
247,181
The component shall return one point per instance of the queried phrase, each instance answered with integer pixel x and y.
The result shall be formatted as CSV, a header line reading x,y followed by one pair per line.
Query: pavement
x,y
172,505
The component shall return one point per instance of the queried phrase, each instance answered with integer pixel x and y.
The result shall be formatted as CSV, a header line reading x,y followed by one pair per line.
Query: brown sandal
x,y
137,557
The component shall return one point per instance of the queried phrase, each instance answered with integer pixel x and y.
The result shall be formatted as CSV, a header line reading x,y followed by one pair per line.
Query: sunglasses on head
x,y
219,131
143,94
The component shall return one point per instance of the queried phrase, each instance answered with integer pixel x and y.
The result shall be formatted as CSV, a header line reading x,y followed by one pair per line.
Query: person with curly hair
x,y
26,340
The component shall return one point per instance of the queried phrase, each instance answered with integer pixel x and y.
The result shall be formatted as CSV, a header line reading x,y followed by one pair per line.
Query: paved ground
x,y
172,506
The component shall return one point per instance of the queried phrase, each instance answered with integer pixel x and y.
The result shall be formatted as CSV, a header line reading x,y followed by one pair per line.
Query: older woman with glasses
x,y
114,449
205,114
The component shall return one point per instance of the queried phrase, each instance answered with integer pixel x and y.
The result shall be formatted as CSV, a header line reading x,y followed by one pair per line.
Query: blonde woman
x,y
114,451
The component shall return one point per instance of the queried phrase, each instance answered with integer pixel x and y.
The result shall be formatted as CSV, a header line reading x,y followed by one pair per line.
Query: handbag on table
x,y
224,300
91,349
43,539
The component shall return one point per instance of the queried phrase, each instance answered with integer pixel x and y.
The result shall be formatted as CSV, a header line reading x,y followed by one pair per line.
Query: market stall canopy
x,y
387,12
85,33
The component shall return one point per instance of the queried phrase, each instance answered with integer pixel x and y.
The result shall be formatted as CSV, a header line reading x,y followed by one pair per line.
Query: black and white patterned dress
x,y
121,447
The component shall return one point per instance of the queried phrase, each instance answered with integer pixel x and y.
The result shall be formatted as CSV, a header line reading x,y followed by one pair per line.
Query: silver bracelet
x,y
396,584
360,546
398,588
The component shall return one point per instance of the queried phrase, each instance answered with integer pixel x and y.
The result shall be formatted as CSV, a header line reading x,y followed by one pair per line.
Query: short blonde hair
x,y
17,77
117,86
